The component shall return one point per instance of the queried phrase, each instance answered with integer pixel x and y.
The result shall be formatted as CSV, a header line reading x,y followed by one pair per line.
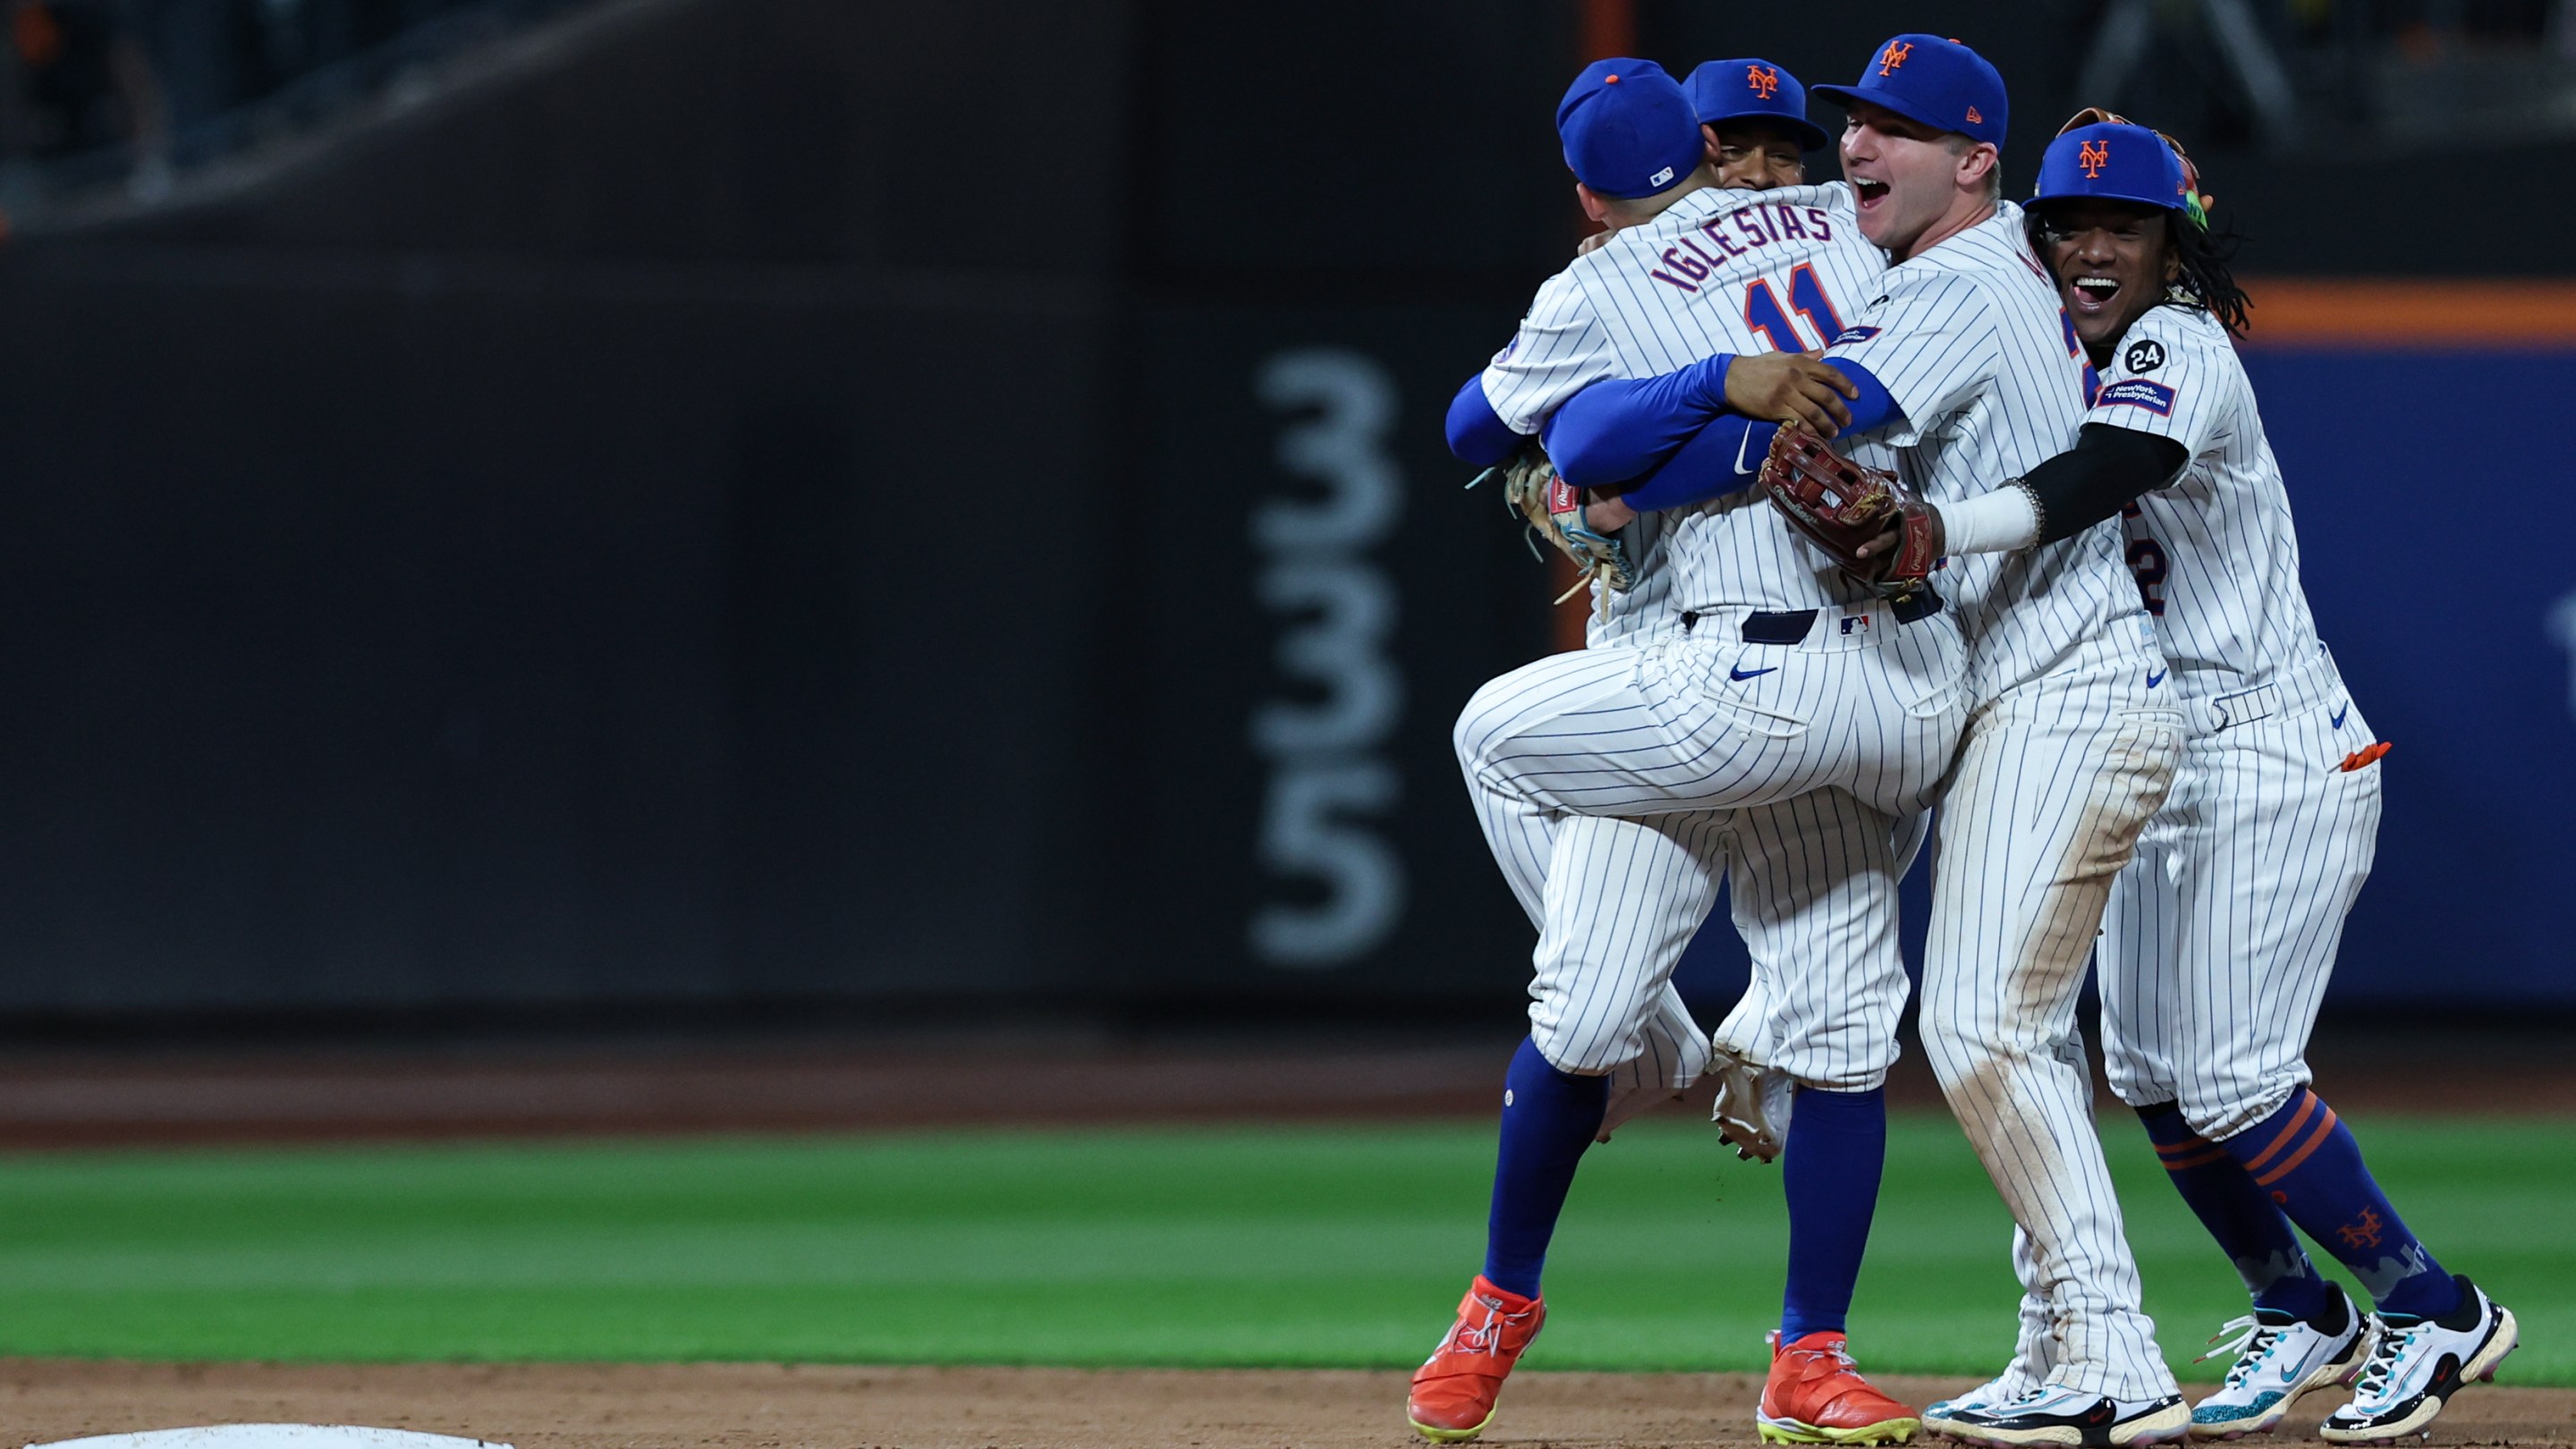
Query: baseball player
x,y
1969,369
2221,933
1752,118
1777,732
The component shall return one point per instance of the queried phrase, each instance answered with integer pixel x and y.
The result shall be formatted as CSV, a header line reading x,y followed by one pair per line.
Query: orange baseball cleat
x,y
1815,1395
1454,1390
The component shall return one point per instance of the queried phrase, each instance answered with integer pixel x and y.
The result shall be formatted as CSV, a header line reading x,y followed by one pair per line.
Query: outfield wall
x,y
690,523
660,700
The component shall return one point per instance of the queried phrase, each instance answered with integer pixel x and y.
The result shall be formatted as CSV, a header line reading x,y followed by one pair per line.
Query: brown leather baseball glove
x,y
1840,505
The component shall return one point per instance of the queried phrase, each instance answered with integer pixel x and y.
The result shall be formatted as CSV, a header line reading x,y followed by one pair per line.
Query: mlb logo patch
x,y
1661,178
2137,392
1856,623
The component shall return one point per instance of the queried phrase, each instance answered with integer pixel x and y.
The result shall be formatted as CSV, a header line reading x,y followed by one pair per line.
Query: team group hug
x,y
1919,518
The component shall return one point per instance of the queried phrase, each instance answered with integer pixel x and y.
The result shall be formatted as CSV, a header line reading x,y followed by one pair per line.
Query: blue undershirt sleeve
x,y
1477,433
1727,454
1723,457
1874,408
1612,431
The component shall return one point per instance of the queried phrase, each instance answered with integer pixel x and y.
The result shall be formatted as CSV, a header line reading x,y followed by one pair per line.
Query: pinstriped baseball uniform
x,y
2222,933
1616,784
2069,748
1717,271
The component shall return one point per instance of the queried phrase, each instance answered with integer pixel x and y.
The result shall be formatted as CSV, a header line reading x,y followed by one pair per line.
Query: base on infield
x,y
273,1436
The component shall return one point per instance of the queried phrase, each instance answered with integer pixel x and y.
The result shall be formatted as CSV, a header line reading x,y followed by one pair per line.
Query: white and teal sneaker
x,y
2419,1365
2278,1358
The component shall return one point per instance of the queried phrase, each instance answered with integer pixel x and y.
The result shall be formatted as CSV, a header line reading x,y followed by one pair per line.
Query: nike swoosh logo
x,y
2156,678
1733,673
1741,444
2339,714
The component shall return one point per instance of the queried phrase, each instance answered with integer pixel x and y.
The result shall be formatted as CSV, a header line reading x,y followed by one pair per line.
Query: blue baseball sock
x,y
2243,1218
1549,1117
1830,1168
2305,1158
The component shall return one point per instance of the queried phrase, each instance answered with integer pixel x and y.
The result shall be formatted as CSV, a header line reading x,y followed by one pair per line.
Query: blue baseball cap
x,y
1627,128
2113,161
1938,82
1752,89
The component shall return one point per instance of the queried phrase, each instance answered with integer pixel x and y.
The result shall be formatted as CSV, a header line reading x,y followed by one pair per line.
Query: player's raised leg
x,y
1519,826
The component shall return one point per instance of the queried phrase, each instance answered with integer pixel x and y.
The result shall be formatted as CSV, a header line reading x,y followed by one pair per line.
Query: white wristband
x,y
1996,522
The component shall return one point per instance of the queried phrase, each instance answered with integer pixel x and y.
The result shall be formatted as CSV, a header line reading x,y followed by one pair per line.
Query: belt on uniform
x,y
1790,626
2304,687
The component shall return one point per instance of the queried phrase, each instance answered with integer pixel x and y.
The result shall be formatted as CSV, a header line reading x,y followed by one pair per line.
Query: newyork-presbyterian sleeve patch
x,y
2138,392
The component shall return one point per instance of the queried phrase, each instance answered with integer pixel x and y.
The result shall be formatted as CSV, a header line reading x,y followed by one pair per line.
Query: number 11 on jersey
x,y
1763,313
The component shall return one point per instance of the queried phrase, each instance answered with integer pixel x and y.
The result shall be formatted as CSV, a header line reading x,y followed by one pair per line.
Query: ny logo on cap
x,y
1764,80
1895,55
2093,156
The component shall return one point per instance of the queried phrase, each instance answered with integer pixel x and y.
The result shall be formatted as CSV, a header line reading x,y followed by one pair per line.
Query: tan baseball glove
x,y
1554,509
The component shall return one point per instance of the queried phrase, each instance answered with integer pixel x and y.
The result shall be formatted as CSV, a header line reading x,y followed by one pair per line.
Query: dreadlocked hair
x,y
2203,277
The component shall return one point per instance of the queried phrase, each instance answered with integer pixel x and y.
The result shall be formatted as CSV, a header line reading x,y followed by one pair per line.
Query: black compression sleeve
x,y
2106,471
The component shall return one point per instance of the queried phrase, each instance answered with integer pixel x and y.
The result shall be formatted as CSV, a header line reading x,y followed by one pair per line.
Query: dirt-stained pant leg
x,y
2053,784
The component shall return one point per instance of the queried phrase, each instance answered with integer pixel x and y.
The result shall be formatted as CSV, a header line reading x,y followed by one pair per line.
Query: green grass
x,y
1285,1246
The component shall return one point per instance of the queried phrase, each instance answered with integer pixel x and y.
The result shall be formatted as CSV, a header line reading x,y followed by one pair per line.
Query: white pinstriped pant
x,y
1619,786
1814,884
2220,937
2055,779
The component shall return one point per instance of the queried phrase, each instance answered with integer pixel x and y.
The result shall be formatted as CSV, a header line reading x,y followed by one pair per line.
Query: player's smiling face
x,y
1755,155
2110,261
1903,173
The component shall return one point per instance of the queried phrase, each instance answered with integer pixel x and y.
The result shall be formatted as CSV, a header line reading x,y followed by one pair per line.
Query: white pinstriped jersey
x,y
1970,340
1717,271
2215,555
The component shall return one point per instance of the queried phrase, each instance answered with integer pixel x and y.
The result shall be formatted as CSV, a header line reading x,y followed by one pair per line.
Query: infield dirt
x,y
760,1406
